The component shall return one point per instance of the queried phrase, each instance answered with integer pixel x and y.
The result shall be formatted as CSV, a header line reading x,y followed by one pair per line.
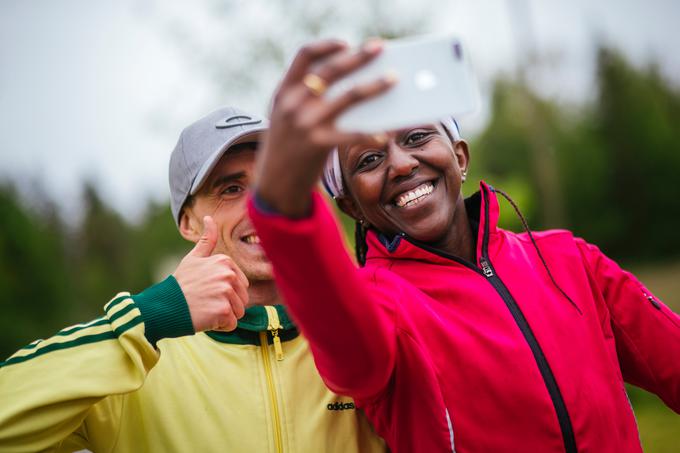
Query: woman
x,y
455,334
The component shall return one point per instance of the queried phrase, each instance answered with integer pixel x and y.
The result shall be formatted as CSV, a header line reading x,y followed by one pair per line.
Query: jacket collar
x,y
489,214
483,211
256,319
253,322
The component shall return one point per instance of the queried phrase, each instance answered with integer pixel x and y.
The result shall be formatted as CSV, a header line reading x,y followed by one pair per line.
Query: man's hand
x,y
214,287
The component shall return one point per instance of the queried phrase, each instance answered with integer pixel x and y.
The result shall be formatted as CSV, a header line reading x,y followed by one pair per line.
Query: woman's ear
x,y
349,207
189,227
462,153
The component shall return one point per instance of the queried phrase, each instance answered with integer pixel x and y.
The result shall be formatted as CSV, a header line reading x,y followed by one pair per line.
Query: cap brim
x,y
253,135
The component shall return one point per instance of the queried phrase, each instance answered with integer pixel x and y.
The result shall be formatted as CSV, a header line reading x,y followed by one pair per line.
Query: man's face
x,y
223,196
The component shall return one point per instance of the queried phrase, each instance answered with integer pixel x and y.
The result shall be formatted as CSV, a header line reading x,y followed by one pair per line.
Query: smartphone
x,y
435,80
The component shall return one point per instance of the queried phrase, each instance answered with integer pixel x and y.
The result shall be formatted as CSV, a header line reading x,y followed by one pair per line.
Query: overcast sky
x,y
100,90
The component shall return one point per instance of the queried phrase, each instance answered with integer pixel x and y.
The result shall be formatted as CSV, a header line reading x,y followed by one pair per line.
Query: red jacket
x,y
446,355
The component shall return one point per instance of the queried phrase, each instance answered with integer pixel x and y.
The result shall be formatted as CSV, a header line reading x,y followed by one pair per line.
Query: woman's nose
x,y
401,161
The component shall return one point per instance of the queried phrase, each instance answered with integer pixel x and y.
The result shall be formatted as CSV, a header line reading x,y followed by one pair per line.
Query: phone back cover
x,y
435,80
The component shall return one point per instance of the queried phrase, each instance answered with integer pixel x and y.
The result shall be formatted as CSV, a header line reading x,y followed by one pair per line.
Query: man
x,y
170,369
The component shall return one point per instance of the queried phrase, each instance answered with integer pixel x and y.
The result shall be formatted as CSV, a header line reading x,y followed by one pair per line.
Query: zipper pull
x,y
486,268
654,302
274,325
278,349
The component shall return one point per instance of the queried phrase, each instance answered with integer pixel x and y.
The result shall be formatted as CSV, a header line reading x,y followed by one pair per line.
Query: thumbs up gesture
x,y
214,287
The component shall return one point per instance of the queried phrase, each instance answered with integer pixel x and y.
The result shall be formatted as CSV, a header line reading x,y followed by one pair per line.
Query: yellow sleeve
x,y
47,387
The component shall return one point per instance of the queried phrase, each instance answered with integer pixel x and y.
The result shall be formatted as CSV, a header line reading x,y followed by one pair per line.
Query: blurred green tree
x,y
34,283
52,276
619,173
605,169
100,254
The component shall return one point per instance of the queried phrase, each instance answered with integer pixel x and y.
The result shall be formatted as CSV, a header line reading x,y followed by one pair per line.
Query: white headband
x,y
332,174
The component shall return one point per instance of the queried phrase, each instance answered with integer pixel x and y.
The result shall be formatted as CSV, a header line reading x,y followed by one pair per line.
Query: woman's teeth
x,y
414,196
251,239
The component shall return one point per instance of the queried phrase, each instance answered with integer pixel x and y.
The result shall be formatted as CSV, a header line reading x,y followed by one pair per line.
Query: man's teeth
x,y
414,196
251,239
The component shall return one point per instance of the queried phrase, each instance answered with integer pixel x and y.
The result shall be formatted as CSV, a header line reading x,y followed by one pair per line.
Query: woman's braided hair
x,y
360,246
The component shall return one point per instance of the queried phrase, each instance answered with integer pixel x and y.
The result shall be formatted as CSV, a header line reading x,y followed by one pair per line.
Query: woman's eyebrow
x,y
425,127
352,151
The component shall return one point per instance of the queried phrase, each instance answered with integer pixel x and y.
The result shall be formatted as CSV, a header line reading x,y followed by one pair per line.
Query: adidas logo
x,y
338,406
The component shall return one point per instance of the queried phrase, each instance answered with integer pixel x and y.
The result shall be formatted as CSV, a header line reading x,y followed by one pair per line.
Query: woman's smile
x,y
414,196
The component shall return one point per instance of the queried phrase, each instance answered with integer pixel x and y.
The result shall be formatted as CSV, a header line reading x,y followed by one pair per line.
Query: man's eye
x,y
231,189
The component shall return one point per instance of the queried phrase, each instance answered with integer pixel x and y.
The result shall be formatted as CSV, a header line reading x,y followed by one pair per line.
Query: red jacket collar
x,y
401,248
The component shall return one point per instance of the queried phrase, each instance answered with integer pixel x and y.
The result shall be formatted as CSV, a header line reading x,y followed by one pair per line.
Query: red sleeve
x,y
646,331
348,320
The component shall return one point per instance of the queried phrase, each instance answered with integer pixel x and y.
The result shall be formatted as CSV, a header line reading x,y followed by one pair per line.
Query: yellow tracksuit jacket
x,y
139,380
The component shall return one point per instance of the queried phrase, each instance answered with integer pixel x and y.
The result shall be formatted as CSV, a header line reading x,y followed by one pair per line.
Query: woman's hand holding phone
x,y
302,124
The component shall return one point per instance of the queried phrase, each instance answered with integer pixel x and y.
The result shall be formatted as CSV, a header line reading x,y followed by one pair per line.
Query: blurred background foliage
x,y
607,169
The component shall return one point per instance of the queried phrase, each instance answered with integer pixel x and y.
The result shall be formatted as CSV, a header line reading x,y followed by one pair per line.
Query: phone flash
x,y
425,80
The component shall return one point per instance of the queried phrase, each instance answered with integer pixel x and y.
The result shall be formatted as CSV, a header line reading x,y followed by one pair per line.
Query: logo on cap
x,y
236,120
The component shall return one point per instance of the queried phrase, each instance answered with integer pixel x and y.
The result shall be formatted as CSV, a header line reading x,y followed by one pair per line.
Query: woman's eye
x,y
416,137
367,160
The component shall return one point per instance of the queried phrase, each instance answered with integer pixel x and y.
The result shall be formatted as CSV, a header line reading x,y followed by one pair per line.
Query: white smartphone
x,y
435,80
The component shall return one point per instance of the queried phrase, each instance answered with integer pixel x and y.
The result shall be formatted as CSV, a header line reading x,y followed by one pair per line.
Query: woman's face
x,y
410,185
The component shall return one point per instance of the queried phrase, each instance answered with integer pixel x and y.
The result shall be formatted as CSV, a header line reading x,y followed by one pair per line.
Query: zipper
x,y
655,303
274,326
543,366
548,377
489,273
486,268
278,441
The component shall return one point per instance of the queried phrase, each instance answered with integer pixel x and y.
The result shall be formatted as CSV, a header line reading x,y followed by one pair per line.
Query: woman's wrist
x,y
295,212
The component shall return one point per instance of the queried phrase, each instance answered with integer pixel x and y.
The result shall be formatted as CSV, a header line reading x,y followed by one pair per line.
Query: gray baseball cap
x,y
202,144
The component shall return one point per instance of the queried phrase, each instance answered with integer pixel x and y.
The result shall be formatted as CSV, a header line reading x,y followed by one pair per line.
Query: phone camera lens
x,y
458,51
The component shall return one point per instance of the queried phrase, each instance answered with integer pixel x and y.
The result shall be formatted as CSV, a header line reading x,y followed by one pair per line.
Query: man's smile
x,y
251,238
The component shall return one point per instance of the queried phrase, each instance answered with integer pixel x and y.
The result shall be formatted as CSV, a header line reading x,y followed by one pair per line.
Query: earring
x,y
464,175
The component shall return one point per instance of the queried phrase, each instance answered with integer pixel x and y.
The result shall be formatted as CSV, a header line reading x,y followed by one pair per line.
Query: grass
x,y
659,426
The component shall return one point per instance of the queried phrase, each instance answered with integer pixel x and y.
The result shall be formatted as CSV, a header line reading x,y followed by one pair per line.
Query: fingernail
x,y
373,45
391,77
